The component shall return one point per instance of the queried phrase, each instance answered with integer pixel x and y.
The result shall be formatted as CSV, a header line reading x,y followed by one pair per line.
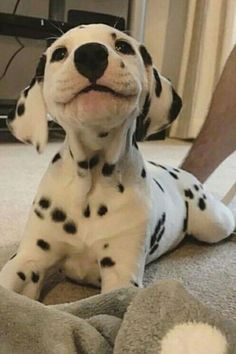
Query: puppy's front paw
x,y
20,276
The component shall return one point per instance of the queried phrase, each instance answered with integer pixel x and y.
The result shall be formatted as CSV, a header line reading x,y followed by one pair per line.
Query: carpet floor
x,y
209,272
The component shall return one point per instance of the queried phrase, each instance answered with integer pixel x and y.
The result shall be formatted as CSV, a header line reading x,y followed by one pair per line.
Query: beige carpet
x,y
209,272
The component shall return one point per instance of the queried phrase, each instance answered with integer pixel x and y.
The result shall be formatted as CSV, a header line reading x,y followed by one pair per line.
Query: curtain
x,y
197,38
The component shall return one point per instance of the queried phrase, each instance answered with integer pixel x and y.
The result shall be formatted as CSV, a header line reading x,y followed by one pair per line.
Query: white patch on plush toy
x,y
194,338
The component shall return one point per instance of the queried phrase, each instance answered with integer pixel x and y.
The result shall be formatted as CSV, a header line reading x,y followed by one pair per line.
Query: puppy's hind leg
x,y
209,219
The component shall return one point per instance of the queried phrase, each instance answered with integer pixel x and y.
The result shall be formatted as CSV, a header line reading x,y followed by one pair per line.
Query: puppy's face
x,y
94,75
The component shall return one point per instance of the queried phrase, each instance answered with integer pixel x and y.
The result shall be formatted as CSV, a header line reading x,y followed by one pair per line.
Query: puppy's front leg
x,y
121,261
25,271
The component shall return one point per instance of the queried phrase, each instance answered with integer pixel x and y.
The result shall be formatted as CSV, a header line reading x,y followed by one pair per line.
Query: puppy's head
x,y
94,76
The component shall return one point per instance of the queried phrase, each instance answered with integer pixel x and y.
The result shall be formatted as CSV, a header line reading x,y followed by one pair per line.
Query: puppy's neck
x,y
90,145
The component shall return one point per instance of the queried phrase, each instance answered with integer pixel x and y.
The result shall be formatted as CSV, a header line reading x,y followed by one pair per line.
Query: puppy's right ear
x,y
28,122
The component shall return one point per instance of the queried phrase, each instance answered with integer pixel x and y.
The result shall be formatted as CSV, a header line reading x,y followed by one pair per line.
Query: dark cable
x,y
12,58
16,6
17,51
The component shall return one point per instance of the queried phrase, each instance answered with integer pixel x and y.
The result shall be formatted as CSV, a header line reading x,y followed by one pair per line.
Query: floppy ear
x,y
28,122
162,104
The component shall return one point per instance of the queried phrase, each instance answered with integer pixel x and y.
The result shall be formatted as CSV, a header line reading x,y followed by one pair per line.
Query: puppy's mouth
x,y
105,89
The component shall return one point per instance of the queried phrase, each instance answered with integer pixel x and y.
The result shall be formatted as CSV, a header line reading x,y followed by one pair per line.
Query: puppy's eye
x,y
124,47
59,54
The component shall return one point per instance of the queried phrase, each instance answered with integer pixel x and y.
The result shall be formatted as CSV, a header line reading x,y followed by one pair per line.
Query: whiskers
x,y
56,27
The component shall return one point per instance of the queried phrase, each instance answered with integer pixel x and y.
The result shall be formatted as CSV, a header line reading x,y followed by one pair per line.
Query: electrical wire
x,y
16,6
17,51
12,58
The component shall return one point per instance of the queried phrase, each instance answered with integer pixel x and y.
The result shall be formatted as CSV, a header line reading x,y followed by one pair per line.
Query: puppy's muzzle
x,y
91,60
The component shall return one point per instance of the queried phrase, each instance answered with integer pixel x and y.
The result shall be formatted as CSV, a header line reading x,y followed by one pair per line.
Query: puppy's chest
x,y
110,209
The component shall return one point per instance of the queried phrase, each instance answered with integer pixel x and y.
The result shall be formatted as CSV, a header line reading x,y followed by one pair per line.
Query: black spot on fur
x,y
113,35
70,227
58,215
173,175
71,154
93,161
134,283
89,164
41,68
121,188
202,204
204,196
13,256
185,225
163,219
87,212
102,210
21,275
108,169
107,262
44,203
159,185
43,244
158,87
153,163
32,83
155,233
21,109
176,170
84,164
161,234
39,214
153,249
34,277
103,134
106,245
122,64
188,193
147,59
196,187
11,115
56,158
163,167
143,173
175,106
134,142
142,123
26,91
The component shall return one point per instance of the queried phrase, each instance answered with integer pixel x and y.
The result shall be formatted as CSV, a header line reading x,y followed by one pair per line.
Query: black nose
x,y
91,60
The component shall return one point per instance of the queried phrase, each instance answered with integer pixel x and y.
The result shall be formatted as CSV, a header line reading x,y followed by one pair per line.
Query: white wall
x,y
164,34
155,28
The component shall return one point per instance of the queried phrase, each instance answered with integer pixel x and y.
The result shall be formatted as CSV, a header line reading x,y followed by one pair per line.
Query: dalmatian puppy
x,y
101,212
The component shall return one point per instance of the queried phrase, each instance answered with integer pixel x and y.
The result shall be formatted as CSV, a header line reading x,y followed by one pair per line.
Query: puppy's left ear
x,y
162,104
28,122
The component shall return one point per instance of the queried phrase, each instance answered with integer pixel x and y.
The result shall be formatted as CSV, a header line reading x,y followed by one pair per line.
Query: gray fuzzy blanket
x,y
125,321
162,319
